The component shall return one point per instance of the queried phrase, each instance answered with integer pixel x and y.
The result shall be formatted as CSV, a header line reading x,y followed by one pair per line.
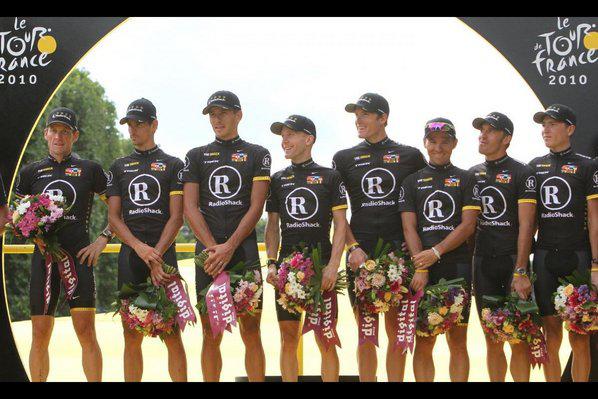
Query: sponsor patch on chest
x,y
452,182
504,178
239,157
391,158
572,169
315,179
158,166
73,171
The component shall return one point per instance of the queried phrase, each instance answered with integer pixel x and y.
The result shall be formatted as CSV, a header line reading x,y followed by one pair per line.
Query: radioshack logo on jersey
x,y
439,207
391,158
144,190
571,169
225,182
504,178
301,204
76,172
64,188
239,157
378,183
555,193
315,179
360,157
452,182
158,166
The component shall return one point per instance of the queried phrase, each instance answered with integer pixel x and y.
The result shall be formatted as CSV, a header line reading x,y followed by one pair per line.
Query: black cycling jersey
x,y
2,193
225,172
145,180
566,181
503,184
74,178
305,195
373,174
438,195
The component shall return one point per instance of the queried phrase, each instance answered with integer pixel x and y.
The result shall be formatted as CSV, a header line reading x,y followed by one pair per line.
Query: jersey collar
x,y
496,162
228,142
561,153
146,152
65,159
440,167
303,165
380,143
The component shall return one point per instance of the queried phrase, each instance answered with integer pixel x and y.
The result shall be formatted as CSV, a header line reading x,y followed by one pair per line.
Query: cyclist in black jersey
x,y
146,212
226,184
304,198
504,233
77,180
439,206
567,205
3,208
373,172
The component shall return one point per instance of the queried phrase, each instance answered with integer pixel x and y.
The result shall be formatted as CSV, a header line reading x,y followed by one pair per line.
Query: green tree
x,y
100,141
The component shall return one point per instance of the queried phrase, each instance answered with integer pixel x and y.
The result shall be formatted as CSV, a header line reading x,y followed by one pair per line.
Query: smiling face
x,y
492,140
556,134
225,122
369,123
142,133
295,144
440,146
60,139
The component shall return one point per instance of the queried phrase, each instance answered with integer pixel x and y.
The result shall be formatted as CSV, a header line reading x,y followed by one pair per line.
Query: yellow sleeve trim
x,y
83,309
336,208
527,201
103,197
471,208
261,178
591,197
176,193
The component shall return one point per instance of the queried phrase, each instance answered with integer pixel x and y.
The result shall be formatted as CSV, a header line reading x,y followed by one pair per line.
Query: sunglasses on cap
x,y
440,127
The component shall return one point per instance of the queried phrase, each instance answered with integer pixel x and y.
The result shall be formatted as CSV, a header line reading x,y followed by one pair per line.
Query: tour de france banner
x,y
557,57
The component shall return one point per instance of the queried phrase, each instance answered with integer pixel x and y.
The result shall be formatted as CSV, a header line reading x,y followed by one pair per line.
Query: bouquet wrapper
x,y
221,308
68,275
323,320
177,294
406,319
538,354
368,327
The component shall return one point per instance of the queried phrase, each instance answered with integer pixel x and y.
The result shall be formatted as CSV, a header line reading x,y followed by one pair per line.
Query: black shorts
x,y
368,247
133,270
84,297
247,252
449,270
549,266
281,313
492,275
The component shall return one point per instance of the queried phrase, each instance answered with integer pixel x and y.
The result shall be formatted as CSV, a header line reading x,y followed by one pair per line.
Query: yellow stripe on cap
x,y
471,208
527,201
336,208
261,178
176,193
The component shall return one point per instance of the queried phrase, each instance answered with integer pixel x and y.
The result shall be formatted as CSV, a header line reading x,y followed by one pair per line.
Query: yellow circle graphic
x,y
590,41
46,44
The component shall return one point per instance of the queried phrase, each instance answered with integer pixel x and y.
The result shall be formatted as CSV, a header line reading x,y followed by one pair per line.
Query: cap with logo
x,y
297,123
496,120
440,125
559,112
141,110
223,99
370,102
63,115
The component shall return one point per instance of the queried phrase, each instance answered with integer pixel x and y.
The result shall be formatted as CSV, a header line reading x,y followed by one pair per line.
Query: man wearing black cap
x,y
226,184
304,198
568,190
146,212
439,207
76,179
373,172
504,233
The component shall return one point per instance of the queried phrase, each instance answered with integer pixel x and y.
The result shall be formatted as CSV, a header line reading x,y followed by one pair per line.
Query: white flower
x,y
22,207
459,299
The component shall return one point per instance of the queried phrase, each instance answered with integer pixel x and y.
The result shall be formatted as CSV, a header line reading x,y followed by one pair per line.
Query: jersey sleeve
x,y
407,195
112,186
176,177
261,168
592,181
471,193
192,168
100,180
420,161
526,186
339,193
2,192
23,184
339,165
272,200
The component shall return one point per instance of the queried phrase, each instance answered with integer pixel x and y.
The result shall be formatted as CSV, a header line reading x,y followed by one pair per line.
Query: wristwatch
x,y
107,233
520,271
352,248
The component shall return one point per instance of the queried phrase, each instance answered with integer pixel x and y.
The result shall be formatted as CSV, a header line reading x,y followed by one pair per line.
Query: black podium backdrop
x,y
37,53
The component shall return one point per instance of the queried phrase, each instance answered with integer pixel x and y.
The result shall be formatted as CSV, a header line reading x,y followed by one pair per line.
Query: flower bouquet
x,y
441,307
576,302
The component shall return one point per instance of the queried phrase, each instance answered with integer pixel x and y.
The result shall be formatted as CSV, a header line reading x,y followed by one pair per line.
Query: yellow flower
x,y
387,296
434,319
300,276
508,328
15,217
586,318
370,265
568,289
443,310
287,288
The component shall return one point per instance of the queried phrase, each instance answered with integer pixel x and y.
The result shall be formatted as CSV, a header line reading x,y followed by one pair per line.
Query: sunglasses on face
x,y
439,127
